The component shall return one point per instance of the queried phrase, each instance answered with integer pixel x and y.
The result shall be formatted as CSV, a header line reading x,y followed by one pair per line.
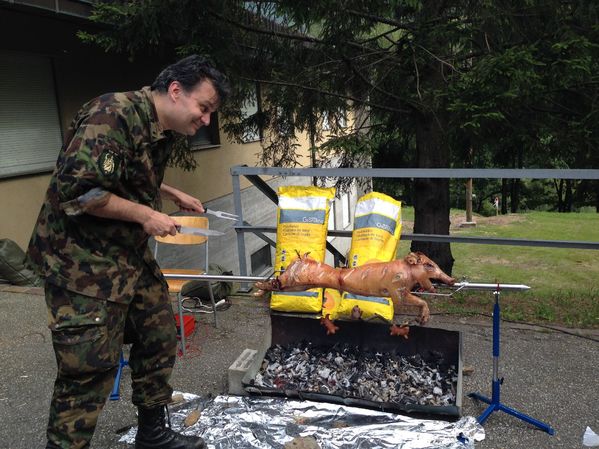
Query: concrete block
x,y
238,370
468,224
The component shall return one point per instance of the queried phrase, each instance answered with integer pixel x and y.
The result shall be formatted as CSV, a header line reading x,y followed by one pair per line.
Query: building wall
x,y
82,72
21,196
20,202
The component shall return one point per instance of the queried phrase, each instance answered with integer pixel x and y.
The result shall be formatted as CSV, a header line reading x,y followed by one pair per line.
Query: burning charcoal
x,y
348,371
324,373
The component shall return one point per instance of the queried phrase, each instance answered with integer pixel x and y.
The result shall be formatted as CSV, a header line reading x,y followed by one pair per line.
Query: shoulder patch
x,y
108,162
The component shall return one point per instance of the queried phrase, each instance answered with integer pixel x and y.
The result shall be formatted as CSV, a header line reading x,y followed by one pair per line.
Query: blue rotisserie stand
x,y
495,403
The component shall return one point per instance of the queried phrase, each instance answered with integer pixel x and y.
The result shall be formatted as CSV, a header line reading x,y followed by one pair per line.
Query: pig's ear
x,y
412,259
421,257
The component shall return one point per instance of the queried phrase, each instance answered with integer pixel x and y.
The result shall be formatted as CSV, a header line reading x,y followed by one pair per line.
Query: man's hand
x,y
153,222
159,224
188,203
185,202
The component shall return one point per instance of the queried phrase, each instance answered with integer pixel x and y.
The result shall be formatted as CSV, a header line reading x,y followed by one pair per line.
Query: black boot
x,y
153,433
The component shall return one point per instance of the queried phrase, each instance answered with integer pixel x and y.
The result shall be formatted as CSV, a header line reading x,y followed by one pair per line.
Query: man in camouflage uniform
x,y
103,286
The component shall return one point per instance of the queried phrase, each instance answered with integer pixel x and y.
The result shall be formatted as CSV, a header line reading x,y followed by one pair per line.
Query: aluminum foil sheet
x,y
238,422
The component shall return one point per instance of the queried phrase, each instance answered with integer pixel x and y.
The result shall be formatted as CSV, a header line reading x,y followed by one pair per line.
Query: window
x,y
206,135
341,120
331,226
261,260
250,108
345,210
30,134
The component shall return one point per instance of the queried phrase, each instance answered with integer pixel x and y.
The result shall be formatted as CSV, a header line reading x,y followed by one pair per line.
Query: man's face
x,y
191,110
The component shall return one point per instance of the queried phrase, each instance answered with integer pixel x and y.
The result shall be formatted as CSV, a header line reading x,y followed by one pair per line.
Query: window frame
x,y
213,135
252,108
264,256
28,158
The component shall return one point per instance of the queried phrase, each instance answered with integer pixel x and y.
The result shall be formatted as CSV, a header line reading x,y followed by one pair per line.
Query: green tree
x,y
532,99
427,79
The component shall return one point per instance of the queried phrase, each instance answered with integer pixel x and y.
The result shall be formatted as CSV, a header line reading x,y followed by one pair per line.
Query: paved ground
x,y
549,375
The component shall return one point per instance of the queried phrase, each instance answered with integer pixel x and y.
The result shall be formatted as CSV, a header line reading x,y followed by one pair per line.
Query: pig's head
x,y
424,270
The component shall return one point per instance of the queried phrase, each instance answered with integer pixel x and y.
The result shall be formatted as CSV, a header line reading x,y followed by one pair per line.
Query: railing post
x,y
243,287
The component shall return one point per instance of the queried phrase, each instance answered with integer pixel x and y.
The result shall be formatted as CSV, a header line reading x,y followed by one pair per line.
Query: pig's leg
x,y
402,296
425,313
425,283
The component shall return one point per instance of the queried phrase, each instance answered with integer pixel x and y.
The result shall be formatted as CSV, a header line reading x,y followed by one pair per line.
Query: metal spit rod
x,y
456,287
216,277
480,286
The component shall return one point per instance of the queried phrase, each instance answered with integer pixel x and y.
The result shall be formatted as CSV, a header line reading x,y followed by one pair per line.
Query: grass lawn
x,y
564,289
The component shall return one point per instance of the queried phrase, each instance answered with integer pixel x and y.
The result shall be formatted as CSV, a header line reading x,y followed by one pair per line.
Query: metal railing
x,y
253,175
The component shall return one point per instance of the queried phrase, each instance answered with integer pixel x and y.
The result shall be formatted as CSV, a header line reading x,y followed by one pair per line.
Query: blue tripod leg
x,y
115,394
495,401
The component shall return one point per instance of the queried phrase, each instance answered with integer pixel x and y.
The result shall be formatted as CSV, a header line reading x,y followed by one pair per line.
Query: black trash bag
x,y
199,289
12,265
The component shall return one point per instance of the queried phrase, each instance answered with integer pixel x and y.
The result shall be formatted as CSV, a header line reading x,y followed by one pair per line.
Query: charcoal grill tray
x,y
428,342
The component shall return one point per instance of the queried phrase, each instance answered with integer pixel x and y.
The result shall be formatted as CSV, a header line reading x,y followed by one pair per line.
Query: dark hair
x,y
190,71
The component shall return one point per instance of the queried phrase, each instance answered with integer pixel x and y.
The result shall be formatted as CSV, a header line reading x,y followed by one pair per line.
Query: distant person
x,y
103,287
496,205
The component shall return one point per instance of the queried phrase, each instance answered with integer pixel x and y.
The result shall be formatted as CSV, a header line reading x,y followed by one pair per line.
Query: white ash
x,y
349,371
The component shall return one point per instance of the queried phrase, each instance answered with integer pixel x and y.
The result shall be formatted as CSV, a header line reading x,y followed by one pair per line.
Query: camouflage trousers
x,y
87,335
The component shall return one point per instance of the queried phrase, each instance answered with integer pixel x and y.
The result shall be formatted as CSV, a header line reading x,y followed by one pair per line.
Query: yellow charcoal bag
x,y
376,234
331,303
302,221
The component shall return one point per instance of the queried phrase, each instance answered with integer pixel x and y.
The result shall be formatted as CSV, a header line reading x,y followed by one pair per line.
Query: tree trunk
x,y
504,196
559,189
568,197
516,183
431,196
514,195
469,200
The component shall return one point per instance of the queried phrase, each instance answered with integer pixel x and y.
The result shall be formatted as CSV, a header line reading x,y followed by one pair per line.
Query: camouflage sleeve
x,y
92,163
95,197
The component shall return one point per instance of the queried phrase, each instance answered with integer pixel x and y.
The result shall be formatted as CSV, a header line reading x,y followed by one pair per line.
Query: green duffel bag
x,y
199,289
12,265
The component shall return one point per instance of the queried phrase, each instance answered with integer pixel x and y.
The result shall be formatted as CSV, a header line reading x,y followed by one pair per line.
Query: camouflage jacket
x,y
115,144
